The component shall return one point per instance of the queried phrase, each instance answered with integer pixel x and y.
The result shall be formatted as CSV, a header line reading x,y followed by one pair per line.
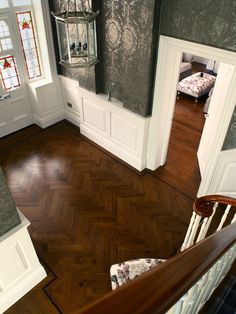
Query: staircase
x,y
185,282
223,301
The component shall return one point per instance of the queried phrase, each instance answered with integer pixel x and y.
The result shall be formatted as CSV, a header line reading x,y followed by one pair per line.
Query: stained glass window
x,y
28,40
9,74
5,40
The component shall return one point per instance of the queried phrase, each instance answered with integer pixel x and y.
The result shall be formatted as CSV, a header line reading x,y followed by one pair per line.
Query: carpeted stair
x,y
223,300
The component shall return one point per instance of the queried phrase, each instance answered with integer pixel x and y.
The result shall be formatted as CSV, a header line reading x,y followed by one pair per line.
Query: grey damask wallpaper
x,y
230,140
127,51
127,33
9,217
209,22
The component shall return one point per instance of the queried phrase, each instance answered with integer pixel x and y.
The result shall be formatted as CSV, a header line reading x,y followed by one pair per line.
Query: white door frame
x,y
167,73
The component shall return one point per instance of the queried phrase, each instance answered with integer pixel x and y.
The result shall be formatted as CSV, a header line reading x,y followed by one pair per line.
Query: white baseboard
x,y
22,288
72,118
116,150
54,118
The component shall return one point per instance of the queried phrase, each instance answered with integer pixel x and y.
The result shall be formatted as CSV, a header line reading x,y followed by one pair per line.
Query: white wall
x,y
70,92
46,102
200,60
20,269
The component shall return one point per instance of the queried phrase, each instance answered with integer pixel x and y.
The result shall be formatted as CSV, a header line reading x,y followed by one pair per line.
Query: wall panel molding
x,y
115,128
223,181
20,269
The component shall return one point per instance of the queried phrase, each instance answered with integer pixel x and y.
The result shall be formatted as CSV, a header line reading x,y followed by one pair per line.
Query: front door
x,y
15,111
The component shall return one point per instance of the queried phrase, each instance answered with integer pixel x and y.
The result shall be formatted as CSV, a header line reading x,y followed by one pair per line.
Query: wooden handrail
x,y
158,289
203,206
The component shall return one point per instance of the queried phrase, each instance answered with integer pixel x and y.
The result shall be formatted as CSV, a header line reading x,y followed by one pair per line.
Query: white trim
x,y
223,180
118,130
72,118
22,288
116,150
219,101
169,58
52,119
44,25
20,269
70,94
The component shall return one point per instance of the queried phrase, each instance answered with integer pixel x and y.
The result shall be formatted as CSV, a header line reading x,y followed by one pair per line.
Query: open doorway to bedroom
x,y
181,167
217,122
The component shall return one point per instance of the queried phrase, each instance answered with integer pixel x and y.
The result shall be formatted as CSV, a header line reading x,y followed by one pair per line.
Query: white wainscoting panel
x,y
115,128
21,116
223,180
46,102
93,116
71,99
14,262
52,95
123,132
20,269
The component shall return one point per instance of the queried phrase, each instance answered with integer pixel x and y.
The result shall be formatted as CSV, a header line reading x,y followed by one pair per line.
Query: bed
x,y
196,85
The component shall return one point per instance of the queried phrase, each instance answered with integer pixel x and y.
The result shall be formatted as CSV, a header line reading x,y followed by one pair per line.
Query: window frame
x,y
37,44
9,14
16,71
14,52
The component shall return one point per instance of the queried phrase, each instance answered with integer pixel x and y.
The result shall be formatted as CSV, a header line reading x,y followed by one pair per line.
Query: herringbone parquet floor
x,y
87,211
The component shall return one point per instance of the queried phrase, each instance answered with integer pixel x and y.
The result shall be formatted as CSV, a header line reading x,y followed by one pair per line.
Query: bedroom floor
x,y
181,169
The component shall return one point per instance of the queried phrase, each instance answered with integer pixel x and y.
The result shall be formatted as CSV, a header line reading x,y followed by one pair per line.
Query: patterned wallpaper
x,y
127,51
230,140
126,36
127,42
208,22
9,217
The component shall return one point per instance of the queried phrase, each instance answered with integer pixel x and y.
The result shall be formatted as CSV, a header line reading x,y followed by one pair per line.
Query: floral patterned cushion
x,y
197,85
126,271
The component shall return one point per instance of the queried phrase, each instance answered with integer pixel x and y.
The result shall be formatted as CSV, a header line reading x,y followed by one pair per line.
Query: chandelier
x,y
76,33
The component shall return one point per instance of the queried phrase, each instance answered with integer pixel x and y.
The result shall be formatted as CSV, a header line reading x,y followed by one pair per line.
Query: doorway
x,y
169,57
181,168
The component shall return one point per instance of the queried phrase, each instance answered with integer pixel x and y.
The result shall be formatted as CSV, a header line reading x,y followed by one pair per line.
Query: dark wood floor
x,y
87,211
181,169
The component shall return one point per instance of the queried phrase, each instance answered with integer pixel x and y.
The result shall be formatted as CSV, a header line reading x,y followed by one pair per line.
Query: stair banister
x,y
204,209
158,290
